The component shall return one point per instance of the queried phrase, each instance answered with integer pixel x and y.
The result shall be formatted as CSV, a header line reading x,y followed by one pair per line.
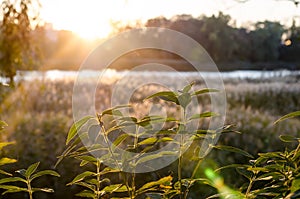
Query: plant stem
x,y
135,145
179,169
250,185
29,189
115,160
98,179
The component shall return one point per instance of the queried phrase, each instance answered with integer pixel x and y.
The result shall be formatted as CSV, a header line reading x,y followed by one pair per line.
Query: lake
x,y
92,74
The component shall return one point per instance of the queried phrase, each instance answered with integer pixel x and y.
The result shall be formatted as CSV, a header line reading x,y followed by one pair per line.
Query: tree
x,y
265,41
16,49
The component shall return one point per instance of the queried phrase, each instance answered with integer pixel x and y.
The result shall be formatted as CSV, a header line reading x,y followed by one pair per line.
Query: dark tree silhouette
x,y
16,49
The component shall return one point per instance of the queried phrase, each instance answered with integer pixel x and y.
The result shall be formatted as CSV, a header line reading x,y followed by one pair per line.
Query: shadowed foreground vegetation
x,y
40,115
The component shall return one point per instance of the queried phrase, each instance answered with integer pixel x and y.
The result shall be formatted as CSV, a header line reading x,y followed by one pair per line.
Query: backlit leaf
x,y
288,116
233,149
76,127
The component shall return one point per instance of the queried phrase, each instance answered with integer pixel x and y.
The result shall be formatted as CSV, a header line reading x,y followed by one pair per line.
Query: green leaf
x,y
86,194
203,115
165,95
47,190
119,140
4,161
163,181
81,176
12,179
161,154
5,173
86,185
12,189
2,124
45,172
288,116
288,138
87,158
114,110
184,99
188,87
233,149
231,166
205,90
31,169
153,140
295,185
115,188
4,144
75,127
109,170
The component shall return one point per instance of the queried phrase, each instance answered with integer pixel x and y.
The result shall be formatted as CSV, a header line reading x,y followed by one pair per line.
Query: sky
x,y
91,18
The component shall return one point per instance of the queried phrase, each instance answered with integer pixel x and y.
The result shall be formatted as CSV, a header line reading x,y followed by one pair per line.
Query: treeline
x,y
264,45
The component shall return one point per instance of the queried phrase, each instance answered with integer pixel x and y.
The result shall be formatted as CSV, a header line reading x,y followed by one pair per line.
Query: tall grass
x,y
39,115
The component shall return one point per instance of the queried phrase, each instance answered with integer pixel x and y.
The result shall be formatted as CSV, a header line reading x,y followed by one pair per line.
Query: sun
x,y
93,31
89,19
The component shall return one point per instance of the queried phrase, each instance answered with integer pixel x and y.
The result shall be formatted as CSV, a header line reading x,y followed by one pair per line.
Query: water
x,y
92,74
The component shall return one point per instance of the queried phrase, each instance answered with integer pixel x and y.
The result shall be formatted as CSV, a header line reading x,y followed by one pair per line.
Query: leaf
x,y
81,176
12,189
163,181
4,161
184,99
119,140
244,172
231,166
295,185
2,124
114,110
94,132
48,190
165,95
203,115
12,179
152,140
288,116
205,90
87,158
86,194
4,144
161,154
115,188
233,149
188,87
109,170
288,138
75,127
45,172
84,184
31,169
5,173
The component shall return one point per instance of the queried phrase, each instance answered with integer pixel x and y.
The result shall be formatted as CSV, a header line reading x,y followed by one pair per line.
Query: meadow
x,y
39,114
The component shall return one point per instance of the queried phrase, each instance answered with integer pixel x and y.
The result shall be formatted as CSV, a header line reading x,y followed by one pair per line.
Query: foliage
x,y
253,107
5,160
28,175
271,175
106,135
17,51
